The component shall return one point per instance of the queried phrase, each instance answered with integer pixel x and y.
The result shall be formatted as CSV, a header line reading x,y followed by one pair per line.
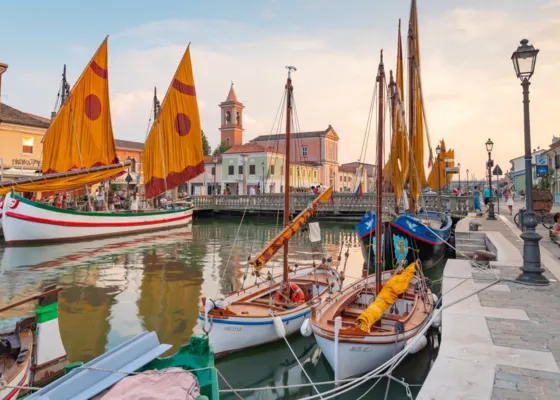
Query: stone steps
x,y
469,242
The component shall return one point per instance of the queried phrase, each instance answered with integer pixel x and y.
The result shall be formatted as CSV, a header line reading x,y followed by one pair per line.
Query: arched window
x,y
228,117
237,120
227,141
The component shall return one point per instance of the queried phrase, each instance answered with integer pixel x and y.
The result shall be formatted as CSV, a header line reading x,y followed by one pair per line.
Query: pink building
x,y
319,148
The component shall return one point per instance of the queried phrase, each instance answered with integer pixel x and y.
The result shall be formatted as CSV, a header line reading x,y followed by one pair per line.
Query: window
x,y
230,170
227,141
340,178
297,169
272,170
240,169
28,144
314,174
213,171
251,170
304,151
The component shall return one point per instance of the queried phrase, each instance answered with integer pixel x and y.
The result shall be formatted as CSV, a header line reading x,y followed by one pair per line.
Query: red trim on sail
x,y
99,71
157,186
184,88
94,224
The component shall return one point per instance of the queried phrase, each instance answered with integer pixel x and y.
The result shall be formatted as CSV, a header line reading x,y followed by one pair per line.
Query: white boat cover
x,y
170,383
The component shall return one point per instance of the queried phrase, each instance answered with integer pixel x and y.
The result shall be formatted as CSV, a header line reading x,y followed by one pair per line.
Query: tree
x,y
221,149
206,149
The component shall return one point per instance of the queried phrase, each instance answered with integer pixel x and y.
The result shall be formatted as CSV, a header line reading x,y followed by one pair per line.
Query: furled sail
x,y
173,152
438,168
81,135
396,169
386,298
275,244
417,173
62,182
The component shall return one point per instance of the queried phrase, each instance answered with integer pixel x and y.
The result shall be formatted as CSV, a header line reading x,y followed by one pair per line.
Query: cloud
x,y
550,5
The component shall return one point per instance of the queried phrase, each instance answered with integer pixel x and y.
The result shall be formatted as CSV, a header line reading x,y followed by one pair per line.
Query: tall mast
x,y
379,193
65,88
289,90
394,116
411,112
157,105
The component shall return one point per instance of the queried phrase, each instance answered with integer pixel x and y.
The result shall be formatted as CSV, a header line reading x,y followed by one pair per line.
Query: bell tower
x,y
232,119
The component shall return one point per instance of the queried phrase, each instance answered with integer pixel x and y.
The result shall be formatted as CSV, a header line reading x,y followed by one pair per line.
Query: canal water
x,y
116,288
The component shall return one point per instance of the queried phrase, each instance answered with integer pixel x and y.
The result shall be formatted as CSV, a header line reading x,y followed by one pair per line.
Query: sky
x,y
470,90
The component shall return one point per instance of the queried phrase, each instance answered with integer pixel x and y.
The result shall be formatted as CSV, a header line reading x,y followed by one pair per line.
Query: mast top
x,y
290,68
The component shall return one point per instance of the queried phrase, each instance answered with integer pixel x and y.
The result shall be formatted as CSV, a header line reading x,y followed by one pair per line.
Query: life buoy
x,y
296,294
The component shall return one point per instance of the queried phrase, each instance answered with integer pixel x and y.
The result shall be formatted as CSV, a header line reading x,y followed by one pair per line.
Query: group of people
x,y
487,193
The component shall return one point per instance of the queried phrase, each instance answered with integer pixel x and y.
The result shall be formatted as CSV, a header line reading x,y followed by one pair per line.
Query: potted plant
x,y
542,194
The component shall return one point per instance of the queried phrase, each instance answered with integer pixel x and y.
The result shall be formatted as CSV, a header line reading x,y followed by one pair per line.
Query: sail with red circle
x,y
173,152
81,135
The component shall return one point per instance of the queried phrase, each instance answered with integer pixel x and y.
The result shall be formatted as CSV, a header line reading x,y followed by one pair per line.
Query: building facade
x,y
210,182
517,171
318,147
231,130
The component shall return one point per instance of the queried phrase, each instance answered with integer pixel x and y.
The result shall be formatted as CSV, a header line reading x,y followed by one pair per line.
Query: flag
x,y
331,200
358,194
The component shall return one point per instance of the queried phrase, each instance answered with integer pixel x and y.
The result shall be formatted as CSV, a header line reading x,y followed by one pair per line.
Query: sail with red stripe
x,y
173,153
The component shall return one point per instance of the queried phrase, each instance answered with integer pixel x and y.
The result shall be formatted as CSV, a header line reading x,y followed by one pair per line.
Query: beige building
x,y
20,137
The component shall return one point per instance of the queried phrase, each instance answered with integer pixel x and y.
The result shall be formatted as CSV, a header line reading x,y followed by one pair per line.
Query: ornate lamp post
x,y
491,215
524,59
438,153
215,162
459,166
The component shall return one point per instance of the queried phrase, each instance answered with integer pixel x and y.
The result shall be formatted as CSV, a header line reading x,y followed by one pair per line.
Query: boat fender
x,y
437,320
418,345
435,298
279,327
399,328
208,307
306,328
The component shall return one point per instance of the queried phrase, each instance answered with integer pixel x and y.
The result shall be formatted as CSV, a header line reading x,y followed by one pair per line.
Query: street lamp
x,y
459,166
524,59
215,162
263,182
467,180
491,215
438,152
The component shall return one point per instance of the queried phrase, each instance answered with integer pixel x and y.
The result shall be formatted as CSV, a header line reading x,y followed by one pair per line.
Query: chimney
x,y
3,68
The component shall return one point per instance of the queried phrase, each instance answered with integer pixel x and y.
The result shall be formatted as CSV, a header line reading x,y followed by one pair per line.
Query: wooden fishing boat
x,y
370,321
248,317
79,150
32,354
415,231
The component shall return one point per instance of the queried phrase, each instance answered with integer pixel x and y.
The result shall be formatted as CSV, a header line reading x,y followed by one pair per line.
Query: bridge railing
x,y
345,203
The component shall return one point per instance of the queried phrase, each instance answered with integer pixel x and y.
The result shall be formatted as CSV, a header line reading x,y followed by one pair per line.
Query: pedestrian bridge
x,y
342,206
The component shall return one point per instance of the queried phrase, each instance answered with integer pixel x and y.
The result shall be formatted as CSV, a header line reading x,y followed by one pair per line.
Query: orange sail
x,y
81,135
396,168
173,152
275,244
434,181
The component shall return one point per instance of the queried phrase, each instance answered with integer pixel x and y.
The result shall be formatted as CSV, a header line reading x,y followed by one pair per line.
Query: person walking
x,y
476,197
487,194
509,200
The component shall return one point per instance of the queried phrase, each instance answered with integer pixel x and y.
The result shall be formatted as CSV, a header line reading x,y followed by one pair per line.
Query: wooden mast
x,y
289,90
379,194
411,109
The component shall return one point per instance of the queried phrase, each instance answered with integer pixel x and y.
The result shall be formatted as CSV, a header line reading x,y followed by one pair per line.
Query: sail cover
x,y
386,298
81,135
173,152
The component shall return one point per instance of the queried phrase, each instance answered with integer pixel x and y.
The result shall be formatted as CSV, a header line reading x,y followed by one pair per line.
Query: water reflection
x,y
116,288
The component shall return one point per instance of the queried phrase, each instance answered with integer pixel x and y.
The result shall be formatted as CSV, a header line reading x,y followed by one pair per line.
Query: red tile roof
x,y
210,159
14,116
246,148
128,144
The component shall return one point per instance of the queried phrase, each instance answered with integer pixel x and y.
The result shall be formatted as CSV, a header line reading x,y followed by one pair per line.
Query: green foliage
x,y
221,149
206,149
546,181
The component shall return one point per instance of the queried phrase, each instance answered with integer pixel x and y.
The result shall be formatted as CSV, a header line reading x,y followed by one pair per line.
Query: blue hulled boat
x,y
412,236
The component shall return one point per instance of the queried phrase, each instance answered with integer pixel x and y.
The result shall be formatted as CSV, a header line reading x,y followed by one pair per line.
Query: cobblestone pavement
x,y
541,333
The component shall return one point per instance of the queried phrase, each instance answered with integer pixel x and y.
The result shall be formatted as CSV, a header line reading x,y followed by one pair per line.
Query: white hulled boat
x,y
81,135
253,315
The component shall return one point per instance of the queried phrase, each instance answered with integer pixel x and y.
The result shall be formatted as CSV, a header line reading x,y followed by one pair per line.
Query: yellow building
x,y
304,174
20,135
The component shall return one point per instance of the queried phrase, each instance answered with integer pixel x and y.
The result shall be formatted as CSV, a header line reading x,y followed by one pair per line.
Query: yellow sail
x,y
275,244
386,298
417,173
438,168
173,152
396,168
81,135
